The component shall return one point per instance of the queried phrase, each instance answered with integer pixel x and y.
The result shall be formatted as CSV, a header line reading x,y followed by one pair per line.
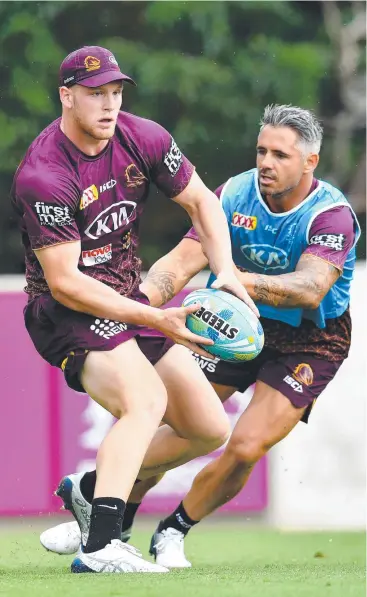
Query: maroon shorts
x,y
300,377
64,337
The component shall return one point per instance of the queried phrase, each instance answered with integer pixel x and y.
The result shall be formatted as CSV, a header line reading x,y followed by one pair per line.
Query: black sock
x,y
105,522
87,485
130,511
179,520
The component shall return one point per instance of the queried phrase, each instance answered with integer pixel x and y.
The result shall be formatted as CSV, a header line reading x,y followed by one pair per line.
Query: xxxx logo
x,y
242,221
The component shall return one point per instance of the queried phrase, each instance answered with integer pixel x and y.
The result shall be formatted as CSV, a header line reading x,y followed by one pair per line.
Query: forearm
x,y
87,295
213,234
296,289
170,274
161,284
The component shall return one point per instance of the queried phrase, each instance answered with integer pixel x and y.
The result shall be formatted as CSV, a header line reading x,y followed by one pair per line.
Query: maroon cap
x,y
91,66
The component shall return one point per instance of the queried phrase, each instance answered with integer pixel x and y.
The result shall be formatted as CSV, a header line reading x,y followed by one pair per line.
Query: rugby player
x,y
293,242
79,194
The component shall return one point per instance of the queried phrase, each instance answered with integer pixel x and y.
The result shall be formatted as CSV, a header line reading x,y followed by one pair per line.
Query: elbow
x,y
61,291
57,293
312,301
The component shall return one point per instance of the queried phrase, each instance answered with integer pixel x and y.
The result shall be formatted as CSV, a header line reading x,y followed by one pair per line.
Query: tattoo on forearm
x,y
164,281
309,283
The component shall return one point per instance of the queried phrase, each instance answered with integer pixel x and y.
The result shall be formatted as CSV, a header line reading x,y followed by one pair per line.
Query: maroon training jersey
x,y
61,195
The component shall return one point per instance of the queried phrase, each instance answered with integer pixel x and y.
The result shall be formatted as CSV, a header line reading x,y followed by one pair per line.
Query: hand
x,y
229,281
172,323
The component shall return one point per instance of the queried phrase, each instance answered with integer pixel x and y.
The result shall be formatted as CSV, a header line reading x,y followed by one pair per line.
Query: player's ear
x,y
311,162
66,95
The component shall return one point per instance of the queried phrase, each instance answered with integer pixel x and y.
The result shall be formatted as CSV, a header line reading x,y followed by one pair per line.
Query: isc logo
x,y
293,383
107,186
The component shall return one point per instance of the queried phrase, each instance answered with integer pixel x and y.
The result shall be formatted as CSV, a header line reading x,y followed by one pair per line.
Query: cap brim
x,y
104,78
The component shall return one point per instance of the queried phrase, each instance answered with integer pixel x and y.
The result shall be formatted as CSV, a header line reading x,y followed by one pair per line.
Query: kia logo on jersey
x,y
266,256
116,216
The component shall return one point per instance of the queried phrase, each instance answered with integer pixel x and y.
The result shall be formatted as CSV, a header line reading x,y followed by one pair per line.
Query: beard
x,y
93,131
278,195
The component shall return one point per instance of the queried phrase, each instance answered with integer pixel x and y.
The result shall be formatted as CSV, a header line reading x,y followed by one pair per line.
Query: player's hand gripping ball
x,y
237,333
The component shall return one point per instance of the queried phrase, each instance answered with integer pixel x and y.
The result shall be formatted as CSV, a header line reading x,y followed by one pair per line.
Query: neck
x,y
291,197
84,142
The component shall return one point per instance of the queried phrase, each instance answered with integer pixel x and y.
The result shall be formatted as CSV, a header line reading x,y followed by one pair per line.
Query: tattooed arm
x,y
173,271
305,287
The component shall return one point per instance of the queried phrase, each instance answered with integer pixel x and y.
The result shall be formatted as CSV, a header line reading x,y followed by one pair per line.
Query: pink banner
x,y
49,430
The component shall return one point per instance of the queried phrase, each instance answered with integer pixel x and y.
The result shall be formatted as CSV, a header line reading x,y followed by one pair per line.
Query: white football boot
x,y
116,557
65,538
167,547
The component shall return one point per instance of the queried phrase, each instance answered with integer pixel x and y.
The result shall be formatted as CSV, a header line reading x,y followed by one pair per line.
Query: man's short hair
x,y
303,122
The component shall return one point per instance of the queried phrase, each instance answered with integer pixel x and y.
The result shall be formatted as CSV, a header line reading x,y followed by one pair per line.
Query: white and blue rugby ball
x,y
237,333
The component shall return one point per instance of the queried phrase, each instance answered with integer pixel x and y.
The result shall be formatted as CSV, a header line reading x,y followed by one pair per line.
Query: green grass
x,y
228,562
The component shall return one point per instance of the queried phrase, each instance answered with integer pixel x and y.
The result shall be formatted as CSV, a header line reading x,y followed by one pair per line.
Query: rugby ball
x,y
237,333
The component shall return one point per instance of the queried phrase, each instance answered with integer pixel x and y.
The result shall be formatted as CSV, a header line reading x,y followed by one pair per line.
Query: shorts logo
x,y
96,256
92,63
133,176
332,241
53,215
208,365
266,256
116,216
89,195
302,375
107,328
246,222
173,159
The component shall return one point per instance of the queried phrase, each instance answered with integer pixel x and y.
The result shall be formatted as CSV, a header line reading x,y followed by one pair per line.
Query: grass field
x,y
229,562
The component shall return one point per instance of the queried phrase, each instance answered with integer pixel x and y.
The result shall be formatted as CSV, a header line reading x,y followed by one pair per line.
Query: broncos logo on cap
x,y
92,63
134,178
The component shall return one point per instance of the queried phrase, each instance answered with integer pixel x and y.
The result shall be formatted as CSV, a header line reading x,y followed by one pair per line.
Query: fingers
x,y
240,292
191,337
191,308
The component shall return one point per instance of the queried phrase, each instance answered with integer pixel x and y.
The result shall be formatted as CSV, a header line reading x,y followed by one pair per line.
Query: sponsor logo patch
x,y
107,328
92,63
53,215
173,159
133,176
332,241
89,195
114,217
266,256
96,256
242,221
302,375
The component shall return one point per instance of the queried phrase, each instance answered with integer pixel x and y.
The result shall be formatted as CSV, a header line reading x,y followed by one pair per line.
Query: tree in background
x,y
205,71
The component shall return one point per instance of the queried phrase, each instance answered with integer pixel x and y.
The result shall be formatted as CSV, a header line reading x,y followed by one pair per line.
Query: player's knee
x,y
246,450
150,407
218,434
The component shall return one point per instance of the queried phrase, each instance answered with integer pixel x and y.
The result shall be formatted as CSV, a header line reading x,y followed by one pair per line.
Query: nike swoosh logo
x,y
110,507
